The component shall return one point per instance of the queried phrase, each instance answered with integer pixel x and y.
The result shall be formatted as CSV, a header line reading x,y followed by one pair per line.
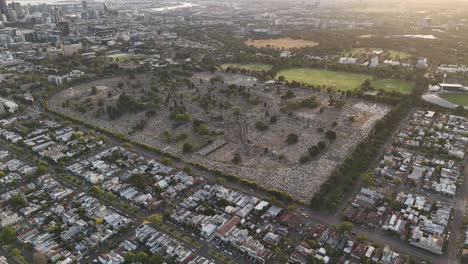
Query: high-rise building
x,y
56,16
84,5
426,23
18,9
4,8
64,28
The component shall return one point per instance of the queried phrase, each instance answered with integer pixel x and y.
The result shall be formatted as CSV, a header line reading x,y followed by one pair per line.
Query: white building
x,y
8,106
69,50
422,63
59,80
374,62
347,60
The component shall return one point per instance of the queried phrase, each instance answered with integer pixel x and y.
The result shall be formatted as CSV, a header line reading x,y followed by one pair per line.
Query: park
x,y
343,81
281,43
456,98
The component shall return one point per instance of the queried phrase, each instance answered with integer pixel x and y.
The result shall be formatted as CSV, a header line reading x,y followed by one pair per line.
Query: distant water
x,y
169,8
50,2
413,36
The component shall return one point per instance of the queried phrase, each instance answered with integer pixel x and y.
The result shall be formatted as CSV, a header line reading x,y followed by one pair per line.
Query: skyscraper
x,y
4,8
64,28
84,5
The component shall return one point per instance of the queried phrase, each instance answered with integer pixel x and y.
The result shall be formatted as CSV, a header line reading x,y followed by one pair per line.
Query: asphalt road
x,y
457,224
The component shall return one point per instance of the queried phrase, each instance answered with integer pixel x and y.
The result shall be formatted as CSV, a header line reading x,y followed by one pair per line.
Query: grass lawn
x,y
249,67
341,80
456,98
286,43
394,85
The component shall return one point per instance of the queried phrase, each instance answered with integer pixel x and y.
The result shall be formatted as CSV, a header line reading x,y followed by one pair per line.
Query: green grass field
x,y
249,67
390,85
342,80
456,98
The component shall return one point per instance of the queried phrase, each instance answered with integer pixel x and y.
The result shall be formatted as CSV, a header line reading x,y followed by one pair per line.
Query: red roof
x,y
229,225
290,218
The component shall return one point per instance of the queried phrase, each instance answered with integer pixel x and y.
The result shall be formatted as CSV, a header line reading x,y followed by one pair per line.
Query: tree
x,y
292,139
237,158
314,151
368,178
292,208
8,235
99,221
304,159
17,202
141,257
367,85
138,180
330,135
280,255
94,90
95,190
188,170
187,148
397,181
346,227
289,94
220,180
322,145
362,238
236,110
261,126
41,169
127,145
155,219
155,259
166,161
16,253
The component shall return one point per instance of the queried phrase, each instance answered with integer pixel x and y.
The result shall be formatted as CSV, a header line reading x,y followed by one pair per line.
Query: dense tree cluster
x,y
343,179
125,104
310,102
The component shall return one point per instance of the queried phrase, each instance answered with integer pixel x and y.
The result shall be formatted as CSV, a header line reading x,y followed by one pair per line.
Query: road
x,y
457,224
